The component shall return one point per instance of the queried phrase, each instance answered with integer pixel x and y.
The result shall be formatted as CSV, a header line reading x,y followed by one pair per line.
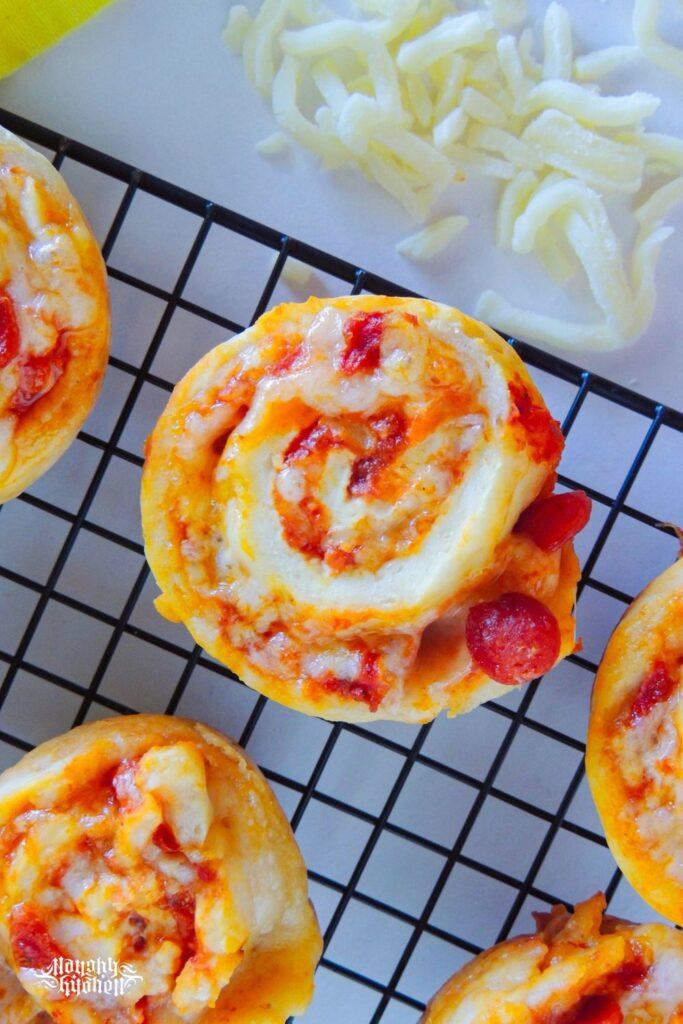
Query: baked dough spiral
x,y
328,494
54,316
156,842
579,968
634,754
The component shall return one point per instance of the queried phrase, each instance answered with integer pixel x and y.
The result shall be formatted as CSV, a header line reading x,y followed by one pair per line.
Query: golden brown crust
x,y
268,885
41,433
198,502
634,781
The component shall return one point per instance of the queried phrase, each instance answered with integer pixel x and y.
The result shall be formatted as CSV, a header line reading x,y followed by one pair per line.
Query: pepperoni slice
x,y
599,1010
657,687
362,334
513,639
543,432
10,339
32,945
37,376
552,522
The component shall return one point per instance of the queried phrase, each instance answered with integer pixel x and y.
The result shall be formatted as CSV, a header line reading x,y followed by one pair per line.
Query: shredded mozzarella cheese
x,y
426,244
666,56
273,145
419,95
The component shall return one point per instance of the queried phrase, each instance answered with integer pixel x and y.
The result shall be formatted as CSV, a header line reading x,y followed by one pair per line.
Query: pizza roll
x,y
634,754
332,503
155,842
54,316
579,968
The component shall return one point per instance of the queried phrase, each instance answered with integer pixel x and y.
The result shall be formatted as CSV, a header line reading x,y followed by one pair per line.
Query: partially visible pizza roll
x,y
634,755
54,316
350,505
155,842
16,1005
579,968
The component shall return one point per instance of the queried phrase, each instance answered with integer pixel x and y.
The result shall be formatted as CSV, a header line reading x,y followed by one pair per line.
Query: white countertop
x,y
150,81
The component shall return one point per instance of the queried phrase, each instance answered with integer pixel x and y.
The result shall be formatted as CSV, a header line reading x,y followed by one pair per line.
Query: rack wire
x,y
425,932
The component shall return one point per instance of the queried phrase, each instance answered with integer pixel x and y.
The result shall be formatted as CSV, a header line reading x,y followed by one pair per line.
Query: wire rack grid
x,y
424,845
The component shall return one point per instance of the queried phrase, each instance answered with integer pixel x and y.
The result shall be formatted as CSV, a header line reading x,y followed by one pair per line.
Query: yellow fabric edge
x,y
27,27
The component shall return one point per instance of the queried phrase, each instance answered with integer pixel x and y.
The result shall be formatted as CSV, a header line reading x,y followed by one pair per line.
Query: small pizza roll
x,y
579,968
154,844
331,504
54,316
634,754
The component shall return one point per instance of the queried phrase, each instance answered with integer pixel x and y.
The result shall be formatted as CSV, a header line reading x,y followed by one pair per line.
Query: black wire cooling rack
x,y
423,928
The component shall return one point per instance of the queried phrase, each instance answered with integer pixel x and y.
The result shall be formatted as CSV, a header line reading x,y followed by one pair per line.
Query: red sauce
x,y
599,1010
630,975
289,361
10,339
390,432
205,873
164,838
657,687
513,638
553,521
544,435
363,335
305,527
37,376
32,945
368,687
315,439
143,1007
182,906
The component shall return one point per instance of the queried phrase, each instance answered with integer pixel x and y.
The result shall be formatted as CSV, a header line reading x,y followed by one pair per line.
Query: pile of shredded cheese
x,y
420,95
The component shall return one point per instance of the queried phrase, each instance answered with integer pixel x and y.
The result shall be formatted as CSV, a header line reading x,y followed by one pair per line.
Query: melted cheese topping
x,y
560,974
325,488
635,743
43,277
54,316
136,871
155,842
649,752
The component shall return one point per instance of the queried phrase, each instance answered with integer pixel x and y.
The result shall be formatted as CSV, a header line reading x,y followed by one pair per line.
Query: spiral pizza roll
x,y
54,316
634,754
341,505
152,850
579,968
